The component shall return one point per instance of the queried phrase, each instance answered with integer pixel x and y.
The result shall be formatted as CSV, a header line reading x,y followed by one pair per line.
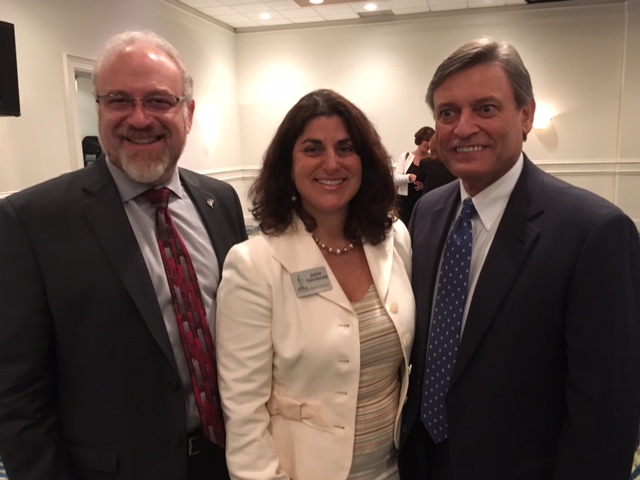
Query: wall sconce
x,y
542,117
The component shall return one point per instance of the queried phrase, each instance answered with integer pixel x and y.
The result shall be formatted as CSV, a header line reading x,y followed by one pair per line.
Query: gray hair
x,y
482,51
121,41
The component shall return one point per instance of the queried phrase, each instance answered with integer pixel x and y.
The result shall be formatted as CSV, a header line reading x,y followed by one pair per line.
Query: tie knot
x,y
159,197
468,209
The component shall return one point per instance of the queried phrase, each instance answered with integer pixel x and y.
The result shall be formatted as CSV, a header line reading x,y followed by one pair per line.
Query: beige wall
x,y
584,62
37,146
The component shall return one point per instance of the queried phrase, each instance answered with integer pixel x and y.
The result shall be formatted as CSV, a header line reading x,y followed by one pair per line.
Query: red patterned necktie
x,y
192,319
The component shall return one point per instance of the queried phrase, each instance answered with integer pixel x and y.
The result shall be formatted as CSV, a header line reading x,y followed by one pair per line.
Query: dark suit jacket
x,y
88,382
546,382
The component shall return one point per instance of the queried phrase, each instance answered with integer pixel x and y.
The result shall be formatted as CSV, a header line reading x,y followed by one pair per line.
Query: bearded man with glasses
x,y
107,288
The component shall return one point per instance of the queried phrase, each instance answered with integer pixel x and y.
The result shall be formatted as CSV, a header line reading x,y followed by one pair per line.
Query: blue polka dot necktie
x,y
444,335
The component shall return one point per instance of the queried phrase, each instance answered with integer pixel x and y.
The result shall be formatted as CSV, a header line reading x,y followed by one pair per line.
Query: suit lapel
x,y
428,237
433,238
514,239
206,204
104,211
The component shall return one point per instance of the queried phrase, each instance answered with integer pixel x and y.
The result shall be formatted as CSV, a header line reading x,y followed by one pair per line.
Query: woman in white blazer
x,y
315,318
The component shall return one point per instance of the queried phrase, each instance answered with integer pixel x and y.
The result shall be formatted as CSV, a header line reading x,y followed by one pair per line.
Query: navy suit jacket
x,y
88,381
546,384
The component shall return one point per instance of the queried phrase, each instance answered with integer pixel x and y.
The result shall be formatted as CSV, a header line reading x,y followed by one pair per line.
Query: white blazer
x,y
400,175
289,366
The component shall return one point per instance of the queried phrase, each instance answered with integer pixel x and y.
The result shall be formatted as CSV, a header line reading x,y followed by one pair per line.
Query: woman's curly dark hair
x,y
371,210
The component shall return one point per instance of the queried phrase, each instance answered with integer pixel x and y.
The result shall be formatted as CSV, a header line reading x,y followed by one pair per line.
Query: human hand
x,y
418,185
412,177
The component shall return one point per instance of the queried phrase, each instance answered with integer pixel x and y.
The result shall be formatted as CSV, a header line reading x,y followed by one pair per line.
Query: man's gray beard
x,y
146,168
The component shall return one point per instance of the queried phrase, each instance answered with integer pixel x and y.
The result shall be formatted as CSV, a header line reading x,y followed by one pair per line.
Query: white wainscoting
x,y
618,182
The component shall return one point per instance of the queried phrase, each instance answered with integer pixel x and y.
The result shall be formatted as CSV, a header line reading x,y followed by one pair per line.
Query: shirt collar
x,y
130,189
491,202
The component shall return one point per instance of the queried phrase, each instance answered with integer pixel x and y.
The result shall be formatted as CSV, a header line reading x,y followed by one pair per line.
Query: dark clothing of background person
x,y
407,202
433,174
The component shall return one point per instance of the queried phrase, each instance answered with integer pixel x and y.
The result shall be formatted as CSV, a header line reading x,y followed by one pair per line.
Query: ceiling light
x,y
370,7
265,16
316,2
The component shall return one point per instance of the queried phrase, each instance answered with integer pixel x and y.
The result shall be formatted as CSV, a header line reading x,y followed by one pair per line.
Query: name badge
x,y
310,282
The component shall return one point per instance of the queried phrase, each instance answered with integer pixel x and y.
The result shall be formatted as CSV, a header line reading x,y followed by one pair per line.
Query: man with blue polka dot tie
x,y
525,363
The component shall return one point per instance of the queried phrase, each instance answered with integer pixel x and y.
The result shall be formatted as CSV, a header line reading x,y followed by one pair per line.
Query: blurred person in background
x,y
405,175
433,172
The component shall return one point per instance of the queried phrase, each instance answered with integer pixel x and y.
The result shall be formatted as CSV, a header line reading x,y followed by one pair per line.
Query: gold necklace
x,y
333,251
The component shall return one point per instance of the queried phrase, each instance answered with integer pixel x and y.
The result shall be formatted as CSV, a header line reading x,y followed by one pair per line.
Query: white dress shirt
x,y
490,205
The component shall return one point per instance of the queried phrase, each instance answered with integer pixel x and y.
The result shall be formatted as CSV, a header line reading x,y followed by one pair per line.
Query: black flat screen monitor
x,y
9,95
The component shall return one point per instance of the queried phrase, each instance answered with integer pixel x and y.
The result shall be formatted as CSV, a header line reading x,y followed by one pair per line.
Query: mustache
x,y
132,133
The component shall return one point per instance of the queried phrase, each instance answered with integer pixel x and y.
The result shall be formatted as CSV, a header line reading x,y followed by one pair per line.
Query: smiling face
x,y
326,170
145,145
480,128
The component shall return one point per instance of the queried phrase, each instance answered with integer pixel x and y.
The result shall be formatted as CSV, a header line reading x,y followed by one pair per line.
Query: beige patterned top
x,y
379,387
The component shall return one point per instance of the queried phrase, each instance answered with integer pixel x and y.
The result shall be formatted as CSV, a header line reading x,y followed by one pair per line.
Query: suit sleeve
x,y
30,444
238,216
603,341
244,352
232,212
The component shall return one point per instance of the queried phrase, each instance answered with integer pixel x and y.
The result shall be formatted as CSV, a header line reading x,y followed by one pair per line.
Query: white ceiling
x,y
240,14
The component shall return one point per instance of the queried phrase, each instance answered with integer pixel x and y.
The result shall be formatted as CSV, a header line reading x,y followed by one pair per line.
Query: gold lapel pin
x,y
211,202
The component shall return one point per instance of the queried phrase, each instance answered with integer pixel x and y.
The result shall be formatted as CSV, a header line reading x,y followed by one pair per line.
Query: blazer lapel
x,y
106,216
296,251
380,260
514,239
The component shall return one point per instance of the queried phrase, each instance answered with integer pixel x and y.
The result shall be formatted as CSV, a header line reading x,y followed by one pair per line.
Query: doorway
x,y
82,116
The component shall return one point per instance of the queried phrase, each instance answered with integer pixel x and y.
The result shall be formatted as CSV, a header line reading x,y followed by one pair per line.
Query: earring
x,y
293,198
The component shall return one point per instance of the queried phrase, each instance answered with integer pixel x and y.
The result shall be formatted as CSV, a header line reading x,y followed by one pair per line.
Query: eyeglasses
x,y
155,102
